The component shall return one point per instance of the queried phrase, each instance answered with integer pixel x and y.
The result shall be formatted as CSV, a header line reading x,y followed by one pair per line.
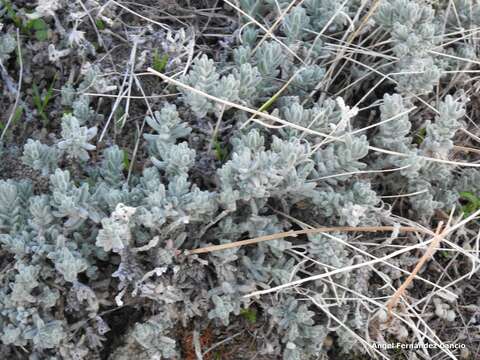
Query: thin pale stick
x,y
304,232
163,26
428,254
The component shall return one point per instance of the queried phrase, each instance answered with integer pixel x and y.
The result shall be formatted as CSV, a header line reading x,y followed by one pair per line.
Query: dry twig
x,y
304,232
428,254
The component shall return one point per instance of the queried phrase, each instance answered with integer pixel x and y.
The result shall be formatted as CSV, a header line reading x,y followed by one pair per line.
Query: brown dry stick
x,y
428,254
276,236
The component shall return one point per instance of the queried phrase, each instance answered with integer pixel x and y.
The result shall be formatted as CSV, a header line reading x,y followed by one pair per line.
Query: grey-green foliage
x,y
328,251
295,23
438,142
469,181
341,157
112,166
312,13
82,110
40,157
416,30
438,139
322,12
146,340
10,205
76,138
204,77
68,264
413,31
69,201
178,203
306,79
430,182
167,125
322,117
67,95
45,260
115,234
221,310
7,46
249,36
268,58
97,243
301,334
393,134
174,159
466,13
40,210
255,172
258,73
146,335
79,104
27,325
248,78
350,205
28,304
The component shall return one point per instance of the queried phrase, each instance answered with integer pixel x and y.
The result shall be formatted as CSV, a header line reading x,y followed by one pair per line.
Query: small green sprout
x,y
100,24
220,153
472,202
41,102
446,254
39,28
250,315
126,160
120,117
17,115
420,136
159,63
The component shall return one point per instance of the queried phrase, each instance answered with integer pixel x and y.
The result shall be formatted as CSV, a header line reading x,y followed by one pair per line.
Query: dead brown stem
x,y
292,233
428,254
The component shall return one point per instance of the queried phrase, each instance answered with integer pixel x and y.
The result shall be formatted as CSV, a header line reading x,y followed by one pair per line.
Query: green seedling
x,y
100,24
17,115
420,136
126,160
159,63
472,202
220,153
119,117
446,254
41,102
39,28
250,315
